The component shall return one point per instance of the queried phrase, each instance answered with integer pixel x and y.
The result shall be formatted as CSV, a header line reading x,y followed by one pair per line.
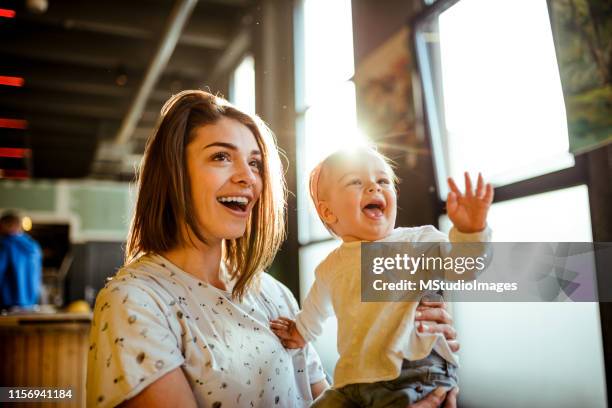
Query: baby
x,y
383,361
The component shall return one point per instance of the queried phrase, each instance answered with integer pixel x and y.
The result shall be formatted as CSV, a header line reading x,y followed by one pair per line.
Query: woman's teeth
x,y
234,203
239,200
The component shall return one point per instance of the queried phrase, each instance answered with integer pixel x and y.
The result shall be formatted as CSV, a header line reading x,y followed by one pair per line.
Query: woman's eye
x,y
257,164
221,156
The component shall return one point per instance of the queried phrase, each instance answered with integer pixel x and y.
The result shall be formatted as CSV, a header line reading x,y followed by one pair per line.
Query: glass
x,y
556,216
242,89
310,256
498,101
328,47
552,352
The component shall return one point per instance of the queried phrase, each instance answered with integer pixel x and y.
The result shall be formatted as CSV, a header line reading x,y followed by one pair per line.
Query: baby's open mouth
x,y
234,203
374,209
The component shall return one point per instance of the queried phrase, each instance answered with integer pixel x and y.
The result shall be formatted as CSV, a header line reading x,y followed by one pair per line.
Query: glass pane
x,y
502,111
326,127
242,92
533,347
310,257
328,47
556,216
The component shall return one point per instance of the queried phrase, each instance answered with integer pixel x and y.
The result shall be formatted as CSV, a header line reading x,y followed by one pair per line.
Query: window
x,y
494,104
499,106
242,85
326,121
521,220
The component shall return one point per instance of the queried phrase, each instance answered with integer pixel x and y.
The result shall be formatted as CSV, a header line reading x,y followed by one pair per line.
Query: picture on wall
x,y
582,31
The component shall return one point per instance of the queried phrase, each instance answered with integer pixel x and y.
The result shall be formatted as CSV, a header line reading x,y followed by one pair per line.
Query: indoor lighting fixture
x,y
7,13
13,123
14,152
11,81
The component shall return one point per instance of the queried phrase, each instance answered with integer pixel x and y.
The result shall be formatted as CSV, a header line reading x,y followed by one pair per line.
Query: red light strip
x,y
14,152
7,13
13,123
21,174
11,81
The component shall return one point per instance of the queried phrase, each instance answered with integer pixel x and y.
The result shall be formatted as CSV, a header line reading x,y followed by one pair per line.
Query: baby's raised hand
x,y
287,332
468,211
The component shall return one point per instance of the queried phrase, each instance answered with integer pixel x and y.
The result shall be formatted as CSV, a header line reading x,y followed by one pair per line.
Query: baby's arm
x,y
308,323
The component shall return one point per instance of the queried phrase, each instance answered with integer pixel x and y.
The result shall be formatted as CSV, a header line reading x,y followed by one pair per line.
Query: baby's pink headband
x,y
315,174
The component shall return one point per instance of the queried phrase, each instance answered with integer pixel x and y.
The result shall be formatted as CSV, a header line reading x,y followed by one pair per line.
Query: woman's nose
x,y
244,175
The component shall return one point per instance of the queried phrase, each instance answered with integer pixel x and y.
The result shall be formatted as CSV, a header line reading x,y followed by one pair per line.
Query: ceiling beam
x,y
58,46
176,22
117,19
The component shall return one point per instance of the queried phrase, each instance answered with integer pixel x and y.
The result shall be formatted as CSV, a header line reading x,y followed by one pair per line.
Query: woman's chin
x,y
233,233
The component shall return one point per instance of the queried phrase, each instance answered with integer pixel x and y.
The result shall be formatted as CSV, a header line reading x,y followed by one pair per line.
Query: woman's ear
x,y
326,213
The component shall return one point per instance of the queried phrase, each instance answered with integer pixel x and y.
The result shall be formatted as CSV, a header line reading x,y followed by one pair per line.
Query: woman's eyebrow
x,y
230,146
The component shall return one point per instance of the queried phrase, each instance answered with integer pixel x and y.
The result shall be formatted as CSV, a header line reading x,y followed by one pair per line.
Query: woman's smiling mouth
x,y
237,204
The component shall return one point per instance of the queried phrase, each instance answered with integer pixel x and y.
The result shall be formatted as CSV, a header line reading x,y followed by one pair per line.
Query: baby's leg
x,y
332,398
417,380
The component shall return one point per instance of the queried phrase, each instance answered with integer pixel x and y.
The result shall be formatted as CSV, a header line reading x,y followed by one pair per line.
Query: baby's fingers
x,y
453,186
488,197
451,202
480,186
468,185
286,320
278,326
279,322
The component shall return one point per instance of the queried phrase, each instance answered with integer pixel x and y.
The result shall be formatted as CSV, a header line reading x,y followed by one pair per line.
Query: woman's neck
x,y
202,261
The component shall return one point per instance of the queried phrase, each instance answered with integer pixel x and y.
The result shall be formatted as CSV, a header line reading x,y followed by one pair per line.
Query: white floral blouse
x,y
152,317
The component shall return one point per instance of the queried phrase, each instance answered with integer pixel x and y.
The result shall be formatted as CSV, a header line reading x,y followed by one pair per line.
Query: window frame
x,y
556,180
583,172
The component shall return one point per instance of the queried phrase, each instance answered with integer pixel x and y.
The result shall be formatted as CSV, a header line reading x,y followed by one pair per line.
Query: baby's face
x,y
360,203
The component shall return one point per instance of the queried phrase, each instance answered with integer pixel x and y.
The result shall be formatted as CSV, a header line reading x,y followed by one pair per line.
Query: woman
x,y
186,321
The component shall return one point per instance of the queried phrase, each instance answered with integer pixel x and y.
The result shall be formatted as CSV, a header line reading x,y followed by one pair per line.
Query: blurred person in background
x,y
20,264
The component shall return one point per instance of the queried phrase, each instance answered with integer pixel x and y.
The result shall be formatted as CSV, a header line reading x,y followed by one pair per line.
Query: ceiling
x,y
83,66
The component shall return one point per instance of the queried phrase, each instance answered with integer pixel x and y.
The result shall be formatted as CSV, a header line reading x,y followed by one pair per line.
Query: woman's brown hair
x,y
164,202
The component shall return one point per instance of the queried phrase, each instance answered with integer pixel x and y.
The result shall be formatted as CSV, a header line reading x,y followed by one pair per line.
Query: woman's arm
x,y
171,390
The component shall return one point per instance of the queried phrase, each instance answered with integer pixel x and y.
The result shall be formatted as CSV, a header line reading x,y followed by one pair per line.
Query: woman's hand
x,y
435,398
468,211
432,317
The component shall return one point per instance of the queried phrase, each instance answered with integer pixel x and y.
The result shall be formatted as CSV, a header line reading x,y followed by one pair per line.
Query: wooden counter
x,y
45,350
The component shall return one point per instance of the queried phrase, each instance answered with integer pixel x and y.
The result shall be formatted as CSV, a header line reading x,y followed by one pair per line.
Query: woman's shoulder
x,y
140,280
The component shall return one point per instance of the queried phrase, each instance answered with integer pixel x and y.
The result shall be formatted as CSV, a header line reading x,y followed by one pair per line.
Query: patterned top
x,y
152,317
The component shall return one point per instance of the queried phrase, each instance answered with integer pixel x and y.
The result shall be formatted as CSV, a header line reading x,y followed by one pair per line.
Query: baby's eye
x,y
385,181
354,182
221,156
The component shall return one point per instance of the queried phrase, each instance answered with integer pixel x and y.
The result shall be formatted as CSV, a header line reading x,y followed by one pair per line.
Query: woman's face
x,y
224,164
